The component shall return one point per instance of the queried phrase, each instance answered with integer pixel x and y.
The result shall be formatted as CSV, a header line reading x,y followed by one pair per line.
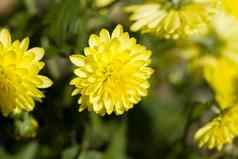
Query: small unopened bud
x,y
25,126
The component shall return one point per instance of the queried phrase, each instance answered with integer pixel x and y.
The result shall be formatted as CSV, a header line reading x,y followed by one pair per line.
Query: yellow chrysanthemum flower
x,y
168,21
113,74
221,74
220,131
103,3
19,75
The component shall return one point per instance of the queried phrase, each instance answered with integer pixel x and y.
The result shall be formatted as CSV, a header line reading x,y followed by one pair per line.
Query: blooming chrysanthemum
x,y
19,75
221,74
168,21
220,131
113,74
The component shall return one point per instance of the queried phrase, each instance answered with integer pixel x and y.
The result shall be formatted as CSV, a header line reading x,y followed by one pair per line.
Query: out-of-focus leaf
x,y
71,152
67,19
31,6
90,155
117,147
26,126
20,21
27,152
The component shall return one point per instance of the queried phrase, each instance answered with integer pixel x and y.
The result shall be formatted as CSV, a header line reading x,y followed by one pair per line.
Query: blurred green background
x,y
161,126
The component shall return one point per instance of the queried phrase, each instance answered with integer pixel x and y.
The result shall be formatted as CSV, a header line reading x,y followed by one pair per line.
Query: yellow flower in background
x,y
222,75
227,36
224,39
19,75
103,3
168,21
220,70
220,131
231,7
113,74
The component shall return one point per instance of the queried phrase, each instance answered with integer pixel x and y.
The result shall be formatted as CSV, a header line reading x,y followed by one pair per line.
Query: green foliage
x,y
28,152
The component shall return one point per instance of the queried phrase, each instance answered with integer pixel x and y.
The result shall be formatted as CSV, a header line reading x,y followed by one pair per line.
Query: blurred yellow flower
x,y
220,131
113,74
223,65
231,6
19,75
103,3
220,72
222,75
169,21
228,37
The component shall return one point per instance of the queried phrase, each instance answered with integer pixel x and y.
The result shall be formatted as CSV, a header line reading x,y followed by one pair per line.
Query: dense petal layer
x,y
19,79
113,74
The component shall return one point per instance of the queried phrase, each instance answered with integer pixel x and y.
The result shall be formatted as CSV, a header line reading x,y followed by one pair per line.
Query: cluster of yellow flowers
x,y
113,73
181,19
111,77
221,74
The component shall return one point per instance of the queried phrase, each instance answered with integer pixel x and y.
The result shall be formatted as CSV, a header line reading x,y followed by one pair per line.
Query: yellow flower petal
x,y
25,44
45,82
78,60
38,53
5,37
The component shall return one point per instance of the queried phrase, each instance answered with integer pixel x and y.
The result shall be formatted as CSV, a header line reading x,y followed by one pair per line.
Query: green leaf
x,y
27,152
64,19
117,147
71,152
90,155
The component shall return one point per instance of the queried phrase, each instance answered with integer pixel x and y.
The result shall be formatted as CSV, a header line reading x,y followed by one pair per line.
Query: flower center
x,y
112,70
108,71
